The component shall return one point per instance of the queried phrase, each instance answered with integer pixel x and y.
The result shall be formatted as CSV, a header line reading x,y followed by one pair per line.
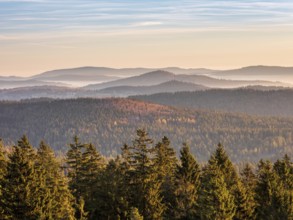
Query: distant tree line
x,y
147,181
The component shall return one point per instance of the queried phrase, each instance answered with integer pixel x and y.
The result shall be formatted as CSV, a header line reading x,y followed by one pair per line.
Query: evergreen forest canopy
x,y
109,122
253,100
146,181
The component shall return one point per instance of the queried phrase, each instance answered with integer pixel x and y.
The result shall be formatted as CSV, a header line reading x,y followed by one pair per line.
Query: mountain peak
x,y
158,73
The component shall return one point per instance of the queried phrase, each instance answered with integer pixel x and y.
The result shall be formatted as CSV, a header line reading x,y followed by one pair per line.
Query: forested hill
x,y
109,123
249,101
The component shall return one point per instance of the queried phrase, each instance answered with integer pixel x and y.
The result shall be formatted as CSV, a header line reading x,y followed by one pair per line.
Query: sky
x,y
41,35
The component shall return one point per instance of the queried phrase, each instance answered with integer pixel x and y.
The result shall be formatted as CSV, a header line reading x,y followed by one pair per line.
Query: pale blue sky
x,y
36,35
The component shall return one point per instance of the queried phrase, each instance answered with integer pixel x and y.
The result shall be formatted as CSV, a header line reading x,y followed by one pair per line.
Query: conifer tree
x,y
187,185
74,162
57,201
248,205
215,200
273,200
143,180
165,163
248,178
113,193
225,165
283,199
244,207
91,169
20,183
284,170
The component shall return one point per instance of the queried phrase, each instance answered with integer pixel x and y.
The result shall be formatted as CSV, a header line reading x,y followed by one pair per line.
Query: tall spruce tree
x,y
244,209
284,169
143,179
74,162
91,168
113,194
187,186
248,180
57,200
20,181
225,165
165,163
215,200
273,200
283,200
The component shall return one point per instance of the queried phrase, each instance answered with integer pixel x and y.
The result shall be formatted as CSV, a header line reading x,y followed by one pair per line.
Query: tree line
x,y
147,181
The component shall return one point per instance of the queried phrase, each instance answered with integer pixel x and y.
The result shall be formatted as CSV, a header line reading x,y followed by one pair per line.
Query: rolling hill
x,y
160,76
246,100
11,83
271,73
109,123
168,87
122,91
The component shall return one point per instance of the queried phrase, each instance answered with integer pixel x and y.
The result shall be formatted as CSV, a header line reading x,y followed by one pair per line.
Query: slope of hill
x,y
109,123
168,87
157,77
66,92
78,74
271,73
250,101
259,70
124,72
38,92
7,84
147,79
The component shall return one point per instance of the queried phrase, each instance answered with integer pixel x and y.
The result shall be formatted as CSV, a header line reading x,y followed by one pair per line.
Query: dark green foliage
x,y
74,161
215,200
143,179
113,194
145,182
284,170
165,163
91,170
248,180
243,202
274,201
57,200
21,183
187,185
222,161
84,171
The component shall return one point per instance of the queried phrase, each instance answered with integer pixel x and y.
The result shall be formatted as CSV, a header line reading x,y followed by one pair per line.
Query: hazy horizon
x,y
41,35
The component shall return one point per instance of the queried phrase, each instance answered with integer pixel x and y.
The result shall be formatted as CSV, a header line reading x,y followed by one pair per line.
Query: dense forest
x,y
109,122
147,181
251,100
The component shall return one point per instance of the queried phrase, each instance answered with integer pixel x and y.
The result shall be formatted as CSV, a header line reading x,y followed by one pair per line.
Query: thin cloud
x,y
147,23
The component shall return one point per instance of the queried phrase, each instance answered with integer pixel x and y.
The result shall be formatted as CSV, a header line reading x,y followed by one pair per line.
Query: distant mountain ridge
x,y
120,91
271,73
97,78
160,76
167,87
259,70
8,83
